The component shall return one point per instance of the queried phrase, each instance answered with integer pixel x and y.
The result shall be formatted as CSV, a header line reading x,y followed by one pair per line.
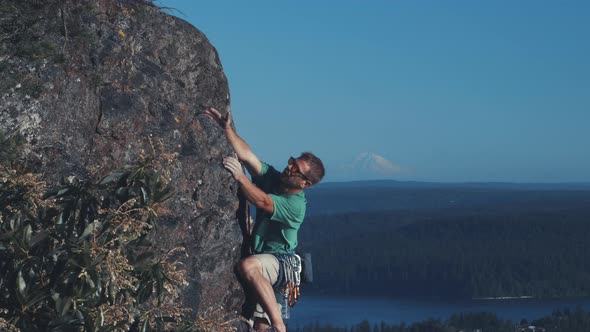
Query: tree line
x,y
566,320
499,251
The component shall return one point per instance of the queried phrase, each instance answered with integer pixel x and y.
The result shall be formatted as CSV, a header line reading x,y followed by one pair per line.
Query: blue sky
x,y
446,90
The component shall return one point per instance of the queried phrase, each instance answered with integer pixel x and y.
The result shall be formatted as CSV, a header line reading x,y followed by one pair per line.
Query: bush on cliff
x,y
78,257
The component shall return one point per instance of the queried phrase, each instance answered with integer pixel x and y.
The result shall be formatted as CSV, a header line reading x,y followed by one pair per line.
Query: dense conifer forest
x,y
453,242
565,320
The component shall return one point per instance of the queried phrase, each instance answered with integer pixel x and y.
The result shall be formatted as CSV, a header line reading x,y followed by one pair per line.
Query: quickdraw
x,y
294,292
291,265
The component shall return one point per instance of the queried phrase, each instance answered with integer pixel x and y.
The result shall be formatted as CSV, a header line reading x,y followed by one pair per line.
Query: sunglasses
x,y
294,170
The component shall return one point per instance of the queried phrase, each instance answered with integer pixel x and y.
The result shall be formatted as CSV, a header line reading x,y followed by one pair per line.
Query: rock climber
x,y
280,209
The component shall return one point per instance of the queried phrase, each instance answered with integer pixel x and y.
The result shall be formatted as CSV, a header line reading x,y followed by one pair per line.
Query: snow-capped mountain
x,y
368,166
373,163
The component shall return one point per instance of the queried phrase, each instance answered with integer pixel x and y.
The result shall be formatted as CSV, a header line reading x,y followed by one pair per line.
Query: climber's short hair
x,y
316,167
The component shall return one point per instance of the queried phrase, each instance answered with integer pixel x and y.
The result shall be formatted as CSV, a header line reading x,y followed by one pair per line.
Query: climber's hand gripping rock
x,y
234,167
223,121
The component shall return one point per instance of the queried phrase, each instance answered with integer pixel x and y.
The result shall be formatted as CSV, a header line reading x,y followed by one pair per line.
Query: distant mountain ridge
x,y
427,184
381,195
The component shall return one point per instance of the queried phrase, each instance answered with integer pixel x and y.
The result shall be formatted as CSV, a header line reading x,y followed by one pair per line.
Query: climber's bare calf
x,y
251,270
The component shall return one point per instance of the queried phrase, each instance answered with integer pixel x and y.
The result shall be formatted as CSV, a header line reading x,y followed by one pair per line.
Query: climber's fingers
x,y
233,166
231,160
224,121
212,112
215,115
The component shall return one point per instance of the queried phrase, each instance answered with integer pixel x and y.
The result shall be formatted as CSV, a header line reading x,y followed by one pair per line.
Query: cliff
x,y
91,85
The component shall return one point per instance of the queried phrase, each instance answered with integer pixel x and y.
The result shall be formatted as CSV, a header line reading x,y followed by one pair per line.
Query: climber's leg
x,y
259,272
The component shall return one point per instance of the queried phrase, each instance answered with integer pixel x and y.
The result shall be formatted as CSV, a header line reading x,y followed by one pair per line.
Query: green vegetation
x,y
79,257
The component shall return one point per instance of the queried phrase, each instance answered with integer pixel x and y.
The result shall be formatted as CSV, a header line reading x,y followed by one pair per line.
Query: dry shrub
x,y
78,257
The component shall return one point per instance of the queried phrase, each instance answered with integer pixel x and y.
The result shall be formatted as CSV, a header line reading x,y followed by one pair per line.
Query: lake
x,y
347,311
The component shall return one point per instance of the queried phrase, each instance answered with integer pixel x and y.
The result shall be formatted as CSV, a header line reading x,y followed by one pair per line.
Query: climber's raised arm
x,y
242,149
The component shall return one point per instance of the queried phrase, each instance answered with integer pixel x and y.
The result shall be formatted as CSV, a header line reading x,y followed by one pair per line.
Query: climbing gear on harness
x,y
288,280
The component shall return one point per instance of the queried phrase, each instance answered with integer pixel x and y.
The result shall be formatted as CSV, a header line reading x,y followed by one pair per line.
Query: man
x,y
280,209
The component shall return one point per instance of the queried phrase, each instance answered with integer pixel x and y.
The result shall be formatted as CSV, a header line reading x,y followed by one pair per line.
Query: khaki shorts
x,y
270,271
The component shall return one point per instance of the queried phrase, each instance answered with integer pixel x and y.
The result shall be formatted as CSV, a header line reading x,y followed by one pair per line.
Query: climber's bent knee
x,y
266,264
247,266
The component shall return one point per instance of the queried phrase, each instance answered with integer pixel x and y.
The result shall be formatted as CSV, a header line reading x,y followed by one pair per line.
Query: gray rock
x,y
89,84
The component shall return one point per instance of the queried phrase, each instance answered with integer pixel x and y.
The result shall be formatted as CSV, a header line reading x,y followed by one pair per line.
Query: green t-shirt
x,y
277,233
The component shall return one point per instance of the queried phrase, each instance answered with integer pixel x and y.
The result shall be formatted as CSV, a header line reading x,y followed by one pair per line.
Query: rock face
x,y
90,84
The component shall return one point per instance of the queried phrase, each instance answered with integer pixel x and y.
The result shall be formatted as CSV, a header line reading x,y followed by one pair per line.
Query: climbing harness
x,y
289,278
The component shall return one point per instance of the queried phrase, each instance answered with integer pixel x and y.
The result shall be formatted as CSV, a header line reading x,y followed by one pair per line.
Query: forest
x,y
565,320
479,243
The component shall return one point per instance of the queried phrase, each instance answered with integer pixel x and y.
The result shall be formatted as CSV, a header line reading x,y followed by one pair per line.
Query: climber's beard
x,y
288,181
